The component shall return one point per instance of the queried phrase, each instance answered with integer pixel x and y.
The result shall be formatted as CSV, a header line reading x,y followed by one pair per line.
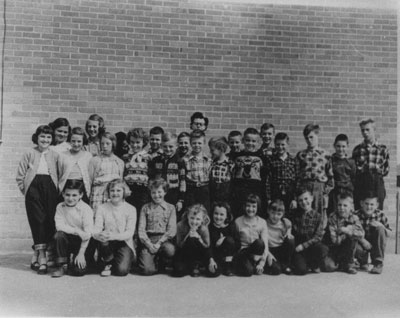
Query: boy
x,y
344,229
248,171
267,132
221,170
155,141
372,164
183,144
171,168
157,228
198,121
308,230
281,173
74,225
376,227
235,142
343,169
197,171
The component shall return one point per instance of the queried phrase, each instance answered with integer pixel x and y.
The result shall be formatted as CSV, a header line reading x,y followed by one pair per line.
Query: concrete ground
x,y
24,293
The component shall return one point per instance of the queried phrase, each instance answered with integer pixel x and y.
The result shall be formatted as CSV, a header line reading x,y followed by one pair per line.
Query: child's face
x,y
305,201
250,209
251,142
344,207
76,143
341,148
312,140
235,143
116,194
136,144
219,215
44,141
368,132
195,220
275,214
198,123
184,144
61,134
369,205
72,197
155,142
157,195
267,135
281,146
93,128
197,145
216,153
106,146
169,148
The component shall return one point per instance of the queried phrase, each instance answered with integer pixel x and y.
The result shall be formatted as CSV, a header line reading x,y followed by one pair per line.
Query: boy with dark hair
x,y
155,141
235,142
267,133
198,121
183,144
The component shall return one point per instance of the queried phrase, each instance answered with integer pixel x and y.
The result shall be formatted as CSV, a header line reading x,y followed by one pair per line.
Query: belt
x,y
196,184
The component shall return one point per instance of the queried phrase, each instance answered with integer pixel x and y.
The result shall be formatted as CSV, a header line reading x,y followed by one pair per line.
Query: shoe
x,y
288,271
351,270
60,272
364,267
316,270
42,270
35,266
106,271
228,271
195,271
377,269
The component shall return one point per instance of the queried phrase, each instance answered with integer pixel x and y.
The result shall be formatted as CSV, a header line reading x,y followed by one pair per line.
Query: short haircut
x,y
61,122
156,183
122,184
110,136
219,143
226,206
253,198
100,120
197,133
234,133
251,131
169,137
369,195
345,195
303,190
196,209
74,185
183,134
198,115
311,128
341,137
157,130
281,136
80,132
367,121
138,133
42,129
267,126
275,205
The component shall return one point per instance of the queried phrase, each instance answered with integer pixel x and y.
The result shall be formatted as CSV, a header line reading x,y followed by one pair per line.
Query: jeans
x,y
312,257
149,264
119,255
377,237
283,255
243,262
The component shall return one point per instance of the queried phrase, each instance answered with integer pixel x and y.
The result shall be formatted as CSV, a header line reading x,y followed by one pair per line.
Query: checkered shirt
x,y
308,228
221,172
371,158
197,168
366,220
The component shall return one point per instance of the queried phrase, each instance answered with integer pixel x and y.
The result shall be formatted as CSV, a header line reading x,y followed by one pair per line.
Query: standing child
x,y
94,128
344,170
157,228
37,178
221,173
155,141
223,246
62,134
281,173
74,224
183,144
115,224
75,163
197,166
248,171
377,229
345,230
267,132
136,168
171,168
193,242
280,239
251,234
235,142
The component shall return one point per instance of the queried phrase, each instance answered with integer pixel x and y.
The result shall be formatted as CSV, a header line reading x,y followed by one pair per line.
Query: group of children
x,y
150,202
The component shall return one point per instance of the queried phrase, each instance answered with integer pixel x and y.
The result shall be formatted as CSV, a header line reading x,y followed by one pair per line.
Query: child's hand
x,y
293,205
326,201
152,249
212,266
365,244
375,223
193,233
108,236
344,230
290,237
299,248
260,267
80,260
179,206
220,241
157,246
99,237
270,259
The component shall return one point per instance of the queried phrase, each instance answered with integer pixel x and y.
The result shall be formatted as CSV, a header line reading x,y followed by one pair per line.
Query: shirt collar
x,y
163,205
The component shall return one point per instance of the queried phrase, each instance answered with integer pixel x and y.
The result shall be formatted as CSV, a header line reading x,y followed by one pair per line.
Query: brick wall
x,y
150,62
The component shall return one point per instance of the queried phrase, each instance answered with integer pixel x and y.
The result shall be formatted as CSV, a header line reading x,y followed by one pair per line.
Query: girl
x,y
94,128
251,233
103,169
222,242
114,226
193,241
37,178
62,134
75,163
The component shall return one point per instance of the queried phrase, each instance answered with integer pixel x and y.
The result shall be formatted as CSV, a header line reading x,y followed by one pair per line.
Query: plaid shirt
x,y
197,168
308,228
371,158
336,222
314,165
366,220
221,172
281,175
